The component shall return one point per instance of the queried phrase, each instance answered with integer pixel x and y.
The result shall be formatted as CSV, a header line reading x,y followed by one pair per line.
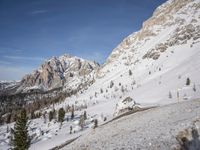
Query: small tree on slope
x,y
188,81
72,112
50,115
95,123
85,115
61,115
21,139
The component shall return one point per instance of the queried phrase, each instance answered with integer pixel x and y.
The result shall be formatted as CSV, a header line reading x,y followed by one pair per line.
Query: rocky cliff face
x,y
57,72
173,23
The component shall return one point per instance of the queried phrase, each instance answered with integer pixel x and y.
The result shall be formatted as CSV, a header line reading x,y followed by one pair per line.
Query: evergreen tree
x,y
95,123
61,115
50,115
72,112
188,81
130,72
21,139
70,130
54,114
32,115
85,115
44,117
111,84
8,118
1,120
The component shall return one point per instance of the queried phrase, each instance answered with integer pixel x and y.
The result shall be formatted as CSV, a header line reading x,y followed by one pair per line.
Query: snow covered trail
x,y
148,130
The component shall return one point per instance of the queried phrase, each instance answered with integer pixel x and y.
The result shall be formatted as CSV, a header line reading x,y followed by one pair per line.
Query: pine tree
x,y
61,115
111,84
50,115
188,81
72,112
70,130
95,123
8,118
85,115
21,139
32,115
130,72
1,120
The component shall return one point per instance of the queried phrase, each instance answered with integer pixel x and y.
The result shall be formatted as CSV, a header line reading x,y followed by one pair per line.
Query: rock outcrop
x,y
57,72
179,19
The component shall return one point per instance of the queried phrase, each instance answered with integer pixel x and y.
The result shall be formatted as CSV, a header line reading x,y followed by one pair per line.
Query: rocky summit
x,y
57,72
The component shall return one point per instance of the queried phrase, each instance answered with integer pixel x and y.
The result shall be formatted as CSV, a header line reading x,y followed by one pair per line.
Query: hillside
x,y
150,67
152,129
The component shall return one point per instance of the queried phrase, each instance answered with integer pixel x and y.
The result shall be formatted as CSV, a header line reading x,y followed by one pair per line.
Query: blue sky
x,y
34,30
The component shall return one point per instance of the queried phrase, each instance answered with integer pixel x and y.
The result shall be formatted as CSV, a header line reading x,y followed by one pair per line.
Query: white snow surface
x,y
153,129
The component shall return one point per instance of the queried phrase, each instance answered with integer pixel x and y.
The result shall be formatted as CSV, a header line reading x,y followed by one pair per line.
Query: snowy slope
x,y
153,129
161,56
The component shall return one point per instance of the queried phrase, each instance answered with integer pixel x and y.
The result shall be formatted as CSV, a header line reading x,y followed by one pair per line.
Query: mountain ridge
x,y
56,72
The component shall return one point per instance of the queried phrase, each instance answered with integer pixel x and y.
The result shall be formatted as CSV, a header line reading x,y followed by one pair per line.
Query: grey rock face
x,y
173,13
57,71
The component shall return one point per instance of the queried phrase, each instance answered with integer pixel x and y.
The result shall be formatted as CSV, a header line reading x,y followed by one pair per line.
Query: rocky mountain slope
x,y
174,23
64,71
59,71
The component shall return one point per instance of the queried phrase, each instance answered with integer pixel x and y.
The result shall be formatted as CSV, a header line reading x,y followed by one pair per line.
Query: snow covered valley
x,y
154,73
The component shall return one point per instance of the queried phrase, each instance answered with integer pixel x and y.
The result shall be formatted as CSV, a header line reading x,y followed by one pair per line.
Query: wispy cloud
x,y
23,58
36,12
6,49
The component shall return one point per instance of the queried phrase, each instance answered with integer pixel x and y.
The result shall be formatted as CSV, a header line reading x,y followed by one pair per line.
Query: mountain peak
x,y
57,71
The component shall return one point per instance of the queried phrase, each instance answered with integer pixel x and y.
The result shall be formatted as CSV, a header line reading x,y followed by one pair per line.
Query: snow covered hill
x,y
153,64
153,129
